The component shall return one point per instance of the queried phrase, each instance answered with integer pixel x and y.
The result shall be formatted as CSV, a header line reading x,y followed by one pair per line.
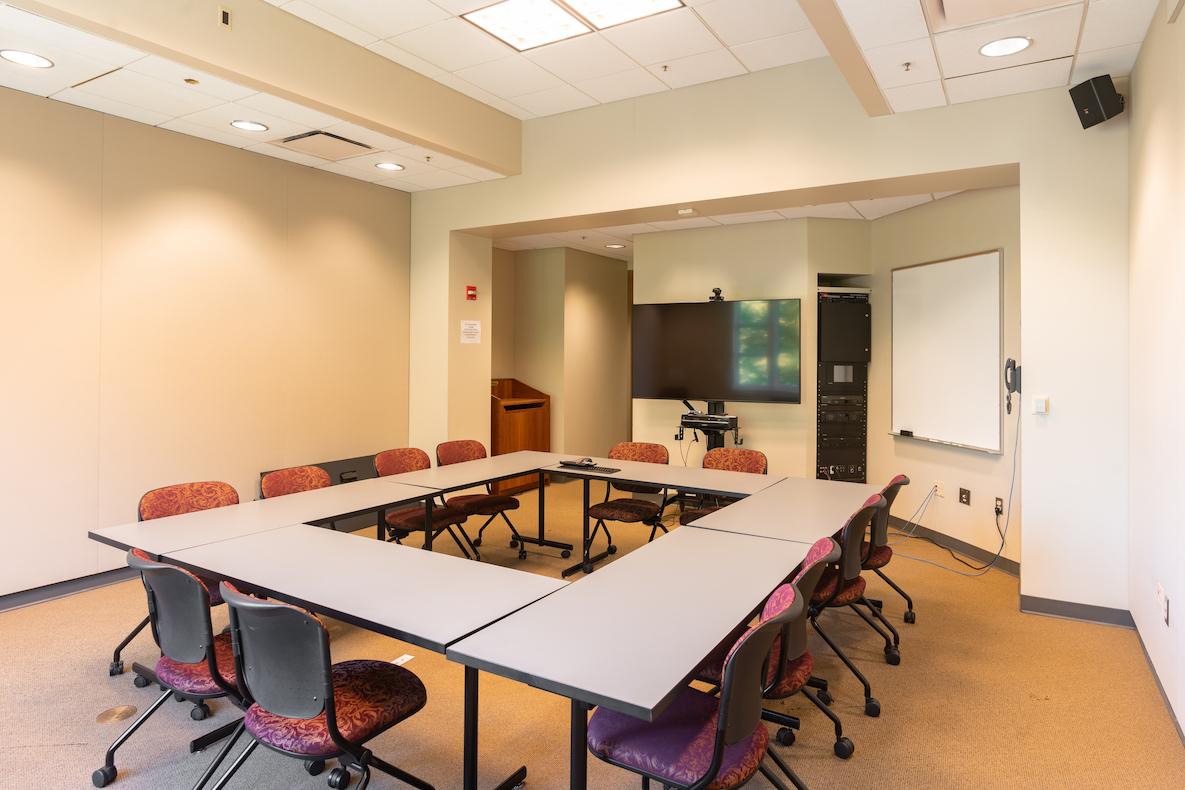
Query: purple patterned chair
x,y
175,500
878,552
730,459
701,741
488,504
302,705
399,523
195,664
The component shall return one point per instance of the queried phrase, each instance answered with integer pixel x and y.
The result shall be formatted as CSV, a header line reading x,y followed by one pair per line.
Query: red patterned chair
x,y
194,664
302,705
293,480
878,553
630,511
730,459
701,741
488,504
175,500
398,524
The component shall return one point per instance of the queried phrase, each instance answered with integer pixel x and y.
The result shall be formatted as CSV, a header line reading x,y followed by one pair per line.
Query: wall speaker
x,y
1096,100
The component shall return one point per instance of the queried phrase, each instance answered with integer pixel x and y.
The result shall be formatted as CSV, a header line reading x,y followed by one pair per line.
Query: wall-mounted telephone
x,y
1011,381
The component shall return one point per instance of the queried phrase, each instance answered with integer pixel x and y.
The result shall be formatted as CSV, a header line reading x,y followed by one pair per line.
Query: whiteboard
x,y
947,351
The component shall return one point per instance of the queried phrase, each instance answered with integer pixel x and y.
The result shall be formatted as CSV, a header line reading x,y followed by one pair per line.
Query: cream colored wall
x,y
502,312
1157,541
176,310
765,260
469,363
539,329
959,225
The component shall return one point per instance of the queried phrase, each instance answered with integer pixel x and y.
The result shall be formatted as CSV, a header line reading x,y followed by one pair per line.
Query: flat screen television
x,y
727,351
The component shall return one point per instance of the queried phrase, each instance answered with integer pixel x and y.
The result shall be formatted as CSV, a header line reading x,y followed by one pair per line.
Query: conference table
x,y
794,508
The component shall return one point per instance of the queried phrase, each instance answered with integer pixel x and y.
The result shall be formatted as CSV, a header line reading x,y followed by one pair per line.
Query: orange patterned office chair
x,y
488,504
399,523
293,480
730,459
175,500
629,511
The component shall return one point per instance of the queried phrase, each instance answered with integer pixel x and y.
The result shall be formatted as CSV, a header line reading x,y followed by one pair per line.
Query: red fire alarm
x,y
470,293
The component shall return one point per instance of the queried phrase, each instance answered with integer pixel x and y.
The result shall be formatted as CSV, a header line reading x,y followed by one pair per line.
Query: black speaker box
x,y
1096,100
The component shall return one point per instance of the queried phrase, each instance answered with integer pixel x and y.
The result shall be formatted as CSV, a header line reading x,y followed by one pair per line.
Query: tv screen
x,y
730,351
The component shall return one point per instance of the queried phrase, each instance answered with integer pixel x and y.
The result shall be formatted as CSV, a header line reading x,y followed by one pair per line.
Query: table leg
x,y
517,778
542,488
578,771
428,524
585,561
540,538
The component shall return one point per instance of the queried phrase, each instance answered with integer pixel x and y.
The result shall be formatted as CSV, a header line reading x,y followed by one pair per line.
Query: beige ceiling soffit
x,y
829,23
276,52
947,181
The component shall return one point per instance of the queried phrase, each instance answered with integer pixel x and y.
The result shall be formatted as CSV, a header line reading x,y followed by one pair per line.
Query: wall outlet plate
x,y
999,506
939,490
403,659
964,496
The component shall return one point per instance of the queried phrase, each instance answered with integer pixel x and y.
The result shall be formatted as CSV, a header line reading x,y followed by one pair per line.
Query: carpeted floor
x,y
984,697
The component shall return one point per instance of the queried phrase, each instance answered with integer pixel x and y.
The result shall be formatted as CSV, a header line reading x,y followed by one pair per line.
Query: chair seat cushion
x,y
628,510
637,488
794,676
852,591
369,697
677,746
411,519
195,678
483,504
211,584
879,557
688,516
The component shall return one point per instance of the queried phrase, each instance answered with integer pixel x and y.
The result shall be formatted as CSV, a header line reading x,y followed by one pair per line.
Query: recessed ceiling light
x,y
607,13
388,166
615,246
249,126
1003,47
525,24
22,58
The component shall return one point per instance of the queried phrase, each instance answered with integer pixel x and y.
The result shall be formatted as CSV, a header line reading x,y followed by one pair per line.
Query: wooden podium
x,y
520,419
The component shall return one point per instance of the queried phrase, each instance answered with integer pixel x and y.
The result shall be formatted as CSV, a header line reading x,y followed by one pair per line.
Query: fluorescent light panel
x,y
607,13
526,24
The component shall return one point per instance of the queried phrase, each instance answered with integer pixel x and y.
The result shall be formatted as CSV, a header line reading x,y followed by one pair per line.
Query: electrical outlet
x,y
999,506
964,496
1163,601
939,491
1166,611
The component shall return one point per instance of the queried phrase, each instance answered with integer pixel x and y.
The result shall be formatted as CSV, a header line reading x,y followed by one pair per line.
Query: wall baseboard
x,y
982,556
1163,695
49,592
1090,613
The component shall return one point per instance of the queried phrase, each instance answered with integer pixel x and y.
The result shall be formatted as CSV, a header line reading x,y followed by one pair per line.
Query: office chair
x,y
293,480
301,704
701,741
399,523
730,459
630,511
880,552
487,504
195,664
842,585
175,500
789,670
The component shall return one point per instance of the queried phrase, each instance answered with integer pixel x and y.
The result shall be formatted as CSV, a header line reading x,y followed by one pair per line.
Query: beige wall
x,y
539,329
469,363
175,310
1157,540
502,312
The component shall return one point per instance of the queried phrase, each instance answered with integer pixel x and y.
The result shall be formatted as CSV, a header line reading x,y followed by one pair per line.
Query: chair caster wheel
x,y
339,778
872,708
910,617
611,550
892,656
844,748
785,736
140,682
565,554
314,767
199,712
522,554
587,567
825,697
104,776
115,668
513,544
477,541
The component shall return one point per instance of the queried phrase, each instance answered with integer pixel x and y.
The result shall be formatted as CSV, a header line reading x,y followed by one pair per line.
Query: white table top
x,y
628,635
422,597
683,478
471,473
796,508
173,533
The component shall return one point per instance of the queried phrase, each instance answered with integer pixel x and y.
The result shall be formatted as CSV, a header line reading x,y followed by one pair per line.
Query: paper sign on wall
x,y
471,331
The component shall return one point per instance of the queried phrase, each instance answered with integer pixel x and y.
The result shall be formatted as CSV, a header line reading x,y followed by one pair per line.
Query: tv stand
x,y
714,423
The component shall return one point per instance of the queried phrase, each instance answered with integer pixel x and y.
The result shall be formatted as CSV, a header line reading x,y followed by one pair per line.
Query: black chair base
x,y
909,616
116,665
872,707
587,565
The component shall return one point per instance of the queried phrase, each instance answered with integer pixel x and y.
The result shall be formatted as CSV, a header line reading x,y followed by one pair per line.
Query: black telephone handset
x,y
1011,381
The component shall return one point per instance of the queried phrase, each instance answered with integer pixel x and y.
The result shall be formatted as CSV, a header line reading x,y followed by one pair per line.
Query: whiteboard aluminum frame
x,y
999,360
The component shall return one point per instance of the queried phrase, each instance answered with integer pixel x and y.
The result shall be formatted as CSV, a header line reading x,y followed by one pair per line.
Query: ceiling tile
x,y
1054,34
197,130
477,173
1117,62
439,179
685,223
405,58
769,53
624,85
110,106
20,25
664,37
922,96
888,63
1112,23
825,211
165,98
316,16
419,154
747,217
267,149
562,98
342,169
401,185
705,67
742,21
510,77
366,165
289,111
627,232
581,58
882,207
452,44
877,23
69,69
1018,79
383,18
176,73
219,118
361,134
462,6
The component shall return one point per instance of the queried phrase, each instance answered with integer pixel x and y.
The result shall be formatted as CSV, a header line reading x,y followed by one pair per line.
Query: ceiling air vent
x,y
324,146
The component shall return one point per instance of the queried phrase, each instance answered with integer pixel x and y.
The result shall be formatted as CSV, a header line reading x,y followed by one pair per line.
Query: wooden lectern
x,y
520,419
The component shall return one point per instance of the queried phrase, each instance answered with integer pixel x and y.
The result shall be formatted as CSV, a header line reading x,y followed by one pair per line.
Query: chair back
x,y
282,656
404,459
736,459
178,608
853,536
458,451
880,524
293,480
822,553
643,452
185,498
743,684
